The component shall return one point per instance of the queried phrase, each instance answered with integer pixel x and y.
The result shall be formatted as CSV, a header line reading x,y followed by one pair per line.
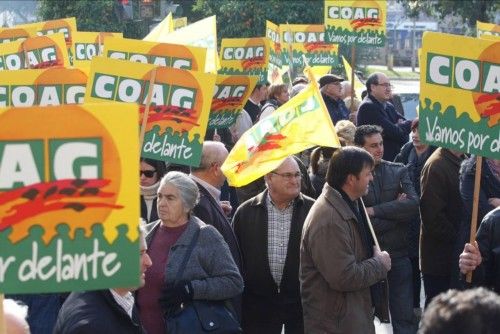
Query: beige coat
x,y
335,270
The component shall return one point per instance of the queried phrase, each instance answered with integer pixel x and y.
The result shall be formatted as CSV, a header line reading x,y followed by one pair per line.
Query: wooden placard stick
x,y
372,231
3,328
146,109
353,64
475,206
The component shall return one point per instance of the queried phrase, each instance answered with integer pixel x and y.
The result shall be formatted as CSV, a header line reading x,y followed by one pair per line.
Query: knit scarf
x,y
149,193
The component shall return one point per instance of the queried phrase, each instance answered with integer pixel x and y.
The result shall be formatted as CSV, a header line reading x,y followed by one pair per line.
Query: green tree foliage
x,y
469,11
248,18
91,15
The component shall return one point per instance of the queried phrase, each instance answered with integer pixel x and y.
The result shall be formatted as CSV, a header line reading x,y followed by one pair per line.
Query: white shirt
x,y
211,189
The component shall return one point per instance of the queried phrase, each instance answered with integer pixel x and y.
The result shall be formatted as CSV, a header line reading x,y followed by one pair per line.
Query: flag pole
x,y
475,206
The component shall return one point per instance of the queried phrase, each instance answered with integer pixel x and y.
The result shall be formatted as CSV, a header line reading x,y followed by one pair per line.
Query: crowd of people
x,y
329,239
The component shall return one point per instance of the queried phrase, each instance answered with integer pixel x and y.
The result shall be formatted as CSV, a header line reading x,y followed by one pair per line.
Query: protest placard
x,y
231,94
87,45
307,40
160,54
14,34
46,87
355,22
459,94
245,56
180,104
487,29
68,198
34,53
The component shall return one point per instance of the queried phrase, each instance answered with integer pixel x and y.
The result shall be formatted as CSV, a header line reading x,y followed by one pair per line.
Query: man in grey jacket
x,y
391,203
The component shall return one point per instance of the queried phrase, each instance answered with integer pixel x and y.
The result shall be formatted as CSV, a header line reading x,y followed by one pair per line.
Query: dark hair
x,y
372,80
349,160
460,312
300,79
320,152
159,166
363,131
363,94
414,124
258,86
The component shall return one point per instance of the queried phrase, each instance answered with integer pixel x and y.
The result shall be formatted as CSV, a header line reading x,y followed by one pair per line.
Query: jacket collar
x,y
336,200
450,156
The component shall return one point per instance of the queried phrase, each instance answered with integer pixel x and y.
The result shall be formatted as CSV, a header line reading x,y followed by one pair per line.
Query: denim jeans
x,y
401,296
42,311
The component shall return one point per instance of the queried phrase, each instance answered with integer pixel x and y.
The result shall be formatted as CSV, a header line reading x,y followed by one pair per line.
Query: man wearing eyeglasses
x,y
377,110
331,90
268,228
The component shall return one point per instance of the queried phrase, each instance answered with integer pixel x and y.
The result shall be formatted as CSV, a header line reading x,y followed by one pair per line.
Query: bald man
x,y
15,317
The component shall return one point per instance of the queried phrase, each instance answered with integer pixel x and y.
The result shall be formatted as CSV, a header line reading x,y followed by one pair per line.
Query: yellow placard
x,y
87,45
230,95
66,26
245,56
180,104
36,52
361,22
460,93
159,54
44,87
487,29
308,40
68,197
15,34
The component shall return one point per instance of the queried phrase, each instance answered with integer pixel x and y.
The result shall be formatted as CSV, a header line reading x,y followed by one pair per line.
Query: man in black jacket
x,y
391,203
103,311
210,209
268,227
377,110
331,90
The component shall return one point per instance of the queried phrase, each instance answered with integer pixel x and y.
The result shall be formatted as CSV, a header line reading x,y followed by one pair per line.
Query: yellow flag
x,y
319,71
202,33
359,87
299,124
163,28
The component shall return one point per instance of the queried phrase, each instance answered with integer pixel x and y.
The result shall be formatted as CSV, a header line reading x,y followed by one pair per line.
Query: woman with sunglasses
x,y
150,174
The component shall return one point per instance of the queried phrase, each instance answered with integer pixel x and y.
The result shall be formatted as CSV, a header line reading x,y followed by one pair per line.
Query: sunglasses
x,y
147,173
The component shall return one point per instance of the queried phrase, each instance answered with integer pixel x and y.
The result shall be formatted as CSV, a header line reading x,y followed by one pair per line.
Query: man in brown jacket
x,y
441,209
338,262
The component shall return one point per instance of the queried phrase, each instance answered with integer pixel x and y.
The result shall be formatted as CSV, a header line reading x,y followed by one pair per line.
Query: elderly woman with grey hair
x,y
210,273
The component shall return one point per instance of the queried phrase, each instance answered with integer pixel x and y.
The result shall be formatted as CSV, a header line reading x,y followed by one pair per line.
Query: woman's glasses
x,y
147,173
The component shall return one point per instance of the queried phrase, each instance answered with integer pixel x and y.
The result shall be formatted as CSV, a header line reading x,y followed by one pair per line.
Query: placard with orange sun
x,y
34,53
307,40
230,95
161,54
460,93
179,110
88,44
68,198
360,22
245,56
47,87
